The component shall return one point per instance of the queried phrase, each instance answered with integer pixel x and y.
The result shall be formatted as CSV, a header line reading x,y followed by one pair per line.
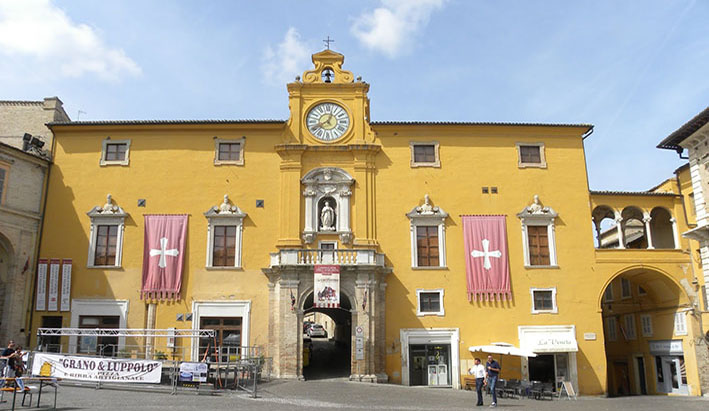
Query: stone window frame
x,y
441,309
97,307
221,308
545,218
646,325
241,141
631,332
4,166
436,152
555,307
124,162
612,329
109,214
428,216
225,214
680,324
542,157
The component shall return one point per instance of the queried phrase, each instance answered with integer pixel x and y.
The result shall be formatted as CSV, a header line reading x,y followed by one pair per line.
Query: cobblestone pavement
x,y
341,395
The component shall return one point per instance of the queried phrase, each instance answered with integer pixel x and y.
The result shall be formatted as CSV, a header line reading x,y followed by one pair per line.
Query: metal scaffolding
x,y
124,332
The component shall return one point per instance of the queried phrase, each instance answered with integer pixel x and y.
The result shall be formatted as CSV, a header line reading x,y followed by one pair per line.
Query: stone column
x,y
150,324
675,232
619,226
290,340
648,231
289,210
364,205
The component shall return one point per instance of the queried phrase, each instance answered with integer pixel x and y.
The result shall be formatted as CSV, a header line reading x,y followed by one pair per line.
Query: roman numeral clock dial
x,y
328,121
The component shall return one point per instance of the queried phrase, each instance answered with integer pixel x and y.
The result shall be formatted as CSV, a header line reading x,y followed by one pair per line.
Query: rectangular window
x,y
427,246
3,179
630,332
625,288
538,242
105,248
531,155
429,302
543,300
646,324
680,324
425,154
229,151
105,346
641,291
224,249
116,152
612,329
608,294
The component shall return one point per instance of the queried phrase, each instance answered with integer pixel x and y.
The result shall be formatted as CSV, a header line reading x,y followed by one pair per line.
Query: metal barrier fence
x,y
229,367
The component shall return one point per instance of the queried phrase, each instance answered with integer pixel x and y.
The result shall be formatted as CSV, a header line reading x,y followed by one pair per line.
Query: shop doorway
x,y
621,375
541,368
327,340
430,365
671,375
640,369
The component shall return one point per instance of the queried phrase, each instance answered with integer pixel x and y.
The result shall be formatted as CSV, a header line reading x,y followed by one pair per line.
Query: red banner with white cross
x,y
163,256
486,263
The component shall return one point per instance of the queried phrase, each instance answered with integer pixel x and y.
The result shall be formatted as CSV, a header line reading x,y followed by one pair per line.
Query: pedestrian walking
x,y
478,371
492,368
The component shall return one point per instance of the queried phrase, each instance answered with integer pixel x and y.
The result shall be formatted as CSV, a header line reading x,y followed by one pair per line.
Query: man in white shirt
x,y
478,371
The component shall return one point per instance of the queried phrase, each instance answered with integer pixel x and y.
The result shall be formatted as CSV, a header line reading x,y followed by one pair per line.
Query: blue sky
x,y
637,70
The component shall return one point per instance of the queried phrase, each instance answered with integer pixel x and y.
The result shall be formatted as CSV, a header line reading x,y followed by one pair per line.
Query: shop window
x,y
544,300
531,155
625,288
425,154
224,234
98,345
629,329
229,151
646,324
611,329
680,324
4,173
106,237
428,244
51,343
115,152
429,302
538,231
226,341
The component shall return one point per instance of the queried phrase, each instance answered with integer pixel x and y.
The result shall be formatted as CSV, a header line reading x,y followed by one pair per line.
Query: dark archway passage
x,y
330,356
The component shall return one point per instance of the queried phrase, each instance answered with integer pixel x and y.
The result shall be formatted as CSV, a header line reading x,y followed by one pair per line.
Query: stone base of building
x,y
371,378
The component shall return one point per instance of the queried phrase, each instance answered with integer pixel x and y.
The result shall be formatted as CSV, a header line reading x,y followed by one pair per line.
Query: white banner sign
x,y
193,371
327,286
96,369
548,338
53,285
41,285
65,303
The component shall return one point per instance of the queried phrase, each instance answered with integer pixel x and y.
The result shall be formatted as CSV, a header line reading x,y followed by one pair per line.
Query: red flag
x,y
486,263
163,256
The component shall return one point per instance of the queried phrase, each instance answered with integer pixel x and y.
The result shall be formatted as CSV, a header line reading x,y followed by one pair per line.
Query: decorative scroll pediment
x,y
537,210
225,209
107,210
427,210
324,60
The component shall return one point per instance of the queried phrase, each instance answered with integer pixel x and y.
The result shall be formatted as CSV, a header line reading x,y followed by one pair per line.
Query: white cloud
x,y
391,29
287,60
39,30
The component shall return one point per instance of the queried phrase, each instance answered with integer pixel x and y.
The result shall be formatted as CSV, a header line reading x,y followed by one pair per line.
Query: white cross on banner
x,y
163,256
487,265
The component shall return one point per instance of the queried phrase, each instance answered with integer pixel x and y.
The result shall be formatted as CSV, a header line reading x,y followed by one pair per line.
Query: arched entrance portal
x,y
327,342
647,319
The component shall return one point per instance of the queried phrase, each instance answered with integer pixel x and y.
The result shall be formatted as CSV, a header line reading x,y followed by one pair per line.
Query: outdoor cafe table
x,y
42,382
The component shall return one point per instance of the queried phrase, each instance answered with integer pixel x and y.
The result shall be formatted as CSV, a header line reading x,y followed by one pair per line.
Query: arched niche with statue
x,y
327,196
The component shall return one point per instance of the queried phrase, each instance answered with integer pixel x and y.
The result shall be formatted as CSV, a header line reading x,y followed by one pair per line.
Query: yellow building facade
x,y
258,196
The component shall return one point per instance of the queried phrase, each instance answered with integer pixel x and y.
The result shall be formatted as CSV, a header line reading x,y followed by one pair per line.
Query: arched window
x,y
661,229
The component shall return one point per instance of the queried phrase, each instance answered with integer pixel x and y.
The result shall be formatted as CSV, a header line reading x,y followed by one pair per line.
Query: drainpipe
x,y
45,192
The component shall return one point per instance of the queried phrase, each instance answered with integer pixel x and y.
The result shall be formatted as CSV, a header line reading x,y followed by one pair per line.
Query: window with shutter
x,y
538,241
427,246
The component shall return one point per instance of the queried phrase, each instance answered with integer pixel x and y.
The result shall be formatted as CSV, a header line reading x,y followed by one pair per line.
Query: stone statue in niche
x,y
426,208
327,217
536,207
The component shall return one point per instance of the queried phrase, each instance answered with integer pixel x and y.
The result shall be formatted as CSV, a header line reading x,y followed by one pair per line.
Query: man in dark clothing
x,y
6,357
493,372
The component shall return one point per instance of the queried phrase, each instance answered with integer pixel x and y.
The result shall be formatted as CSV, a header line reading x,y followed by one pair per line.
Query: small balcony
x,y
347,257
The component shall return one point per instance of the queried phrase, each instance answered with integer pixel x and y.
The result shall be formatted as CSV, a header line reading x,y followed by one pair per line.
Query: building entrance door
x,y
671,375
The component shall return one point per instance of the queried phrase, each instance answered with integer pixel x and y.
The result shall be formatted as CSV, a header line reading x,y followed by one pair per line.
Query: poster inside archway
x,y
326,286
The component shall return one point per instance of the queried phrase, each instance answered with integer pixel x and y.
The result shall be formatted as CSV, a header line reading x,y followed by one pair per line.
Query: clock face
x,y
328,121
